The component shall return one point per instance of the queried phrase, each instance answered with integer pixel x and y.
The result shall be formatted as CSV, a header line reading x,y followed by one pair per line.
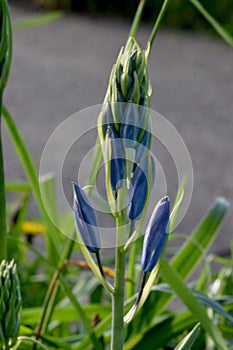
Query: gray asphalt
x,y
62,67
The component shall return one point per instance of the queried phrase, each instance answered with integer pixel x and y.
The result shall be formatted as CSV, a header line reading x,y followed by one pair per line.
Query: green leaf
x,y
203,299
81,313
17,187
48,196
176,204
64,314
214,305
38,20
31,173
23,339
190,338
190,253
8,43
166,328
55,342
219,29
173,278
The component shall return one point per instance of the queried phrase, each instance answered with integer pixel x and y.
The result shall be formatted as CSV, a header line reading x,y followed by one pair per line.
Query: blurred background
x,y
181,13
63,66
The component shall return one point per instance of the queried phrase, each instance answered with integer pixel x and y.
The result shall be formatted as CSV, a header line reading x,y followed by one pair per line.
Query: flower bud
x,y
10,304
138,190
86,219
116,159
156,235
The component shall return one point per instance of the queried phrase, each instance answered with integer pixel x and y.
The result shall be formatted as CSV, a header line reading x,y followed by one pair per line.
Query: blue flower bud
x,y
86,219
116,161
156,235
138,190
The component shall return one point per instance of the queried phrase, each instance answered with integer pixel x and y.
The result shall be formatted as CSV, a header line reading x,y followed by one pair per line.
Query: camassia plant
x,y
124,303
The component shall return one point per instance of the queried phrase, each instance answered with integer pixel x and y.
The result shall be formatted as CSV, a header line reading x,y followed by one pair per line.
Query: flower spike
x,y
10,304
86,219
156,235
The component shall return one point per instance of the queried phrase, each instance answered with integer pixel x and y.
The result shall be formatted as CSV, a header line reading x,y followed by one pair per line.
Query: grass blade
x,y
165,330
172,277
190,338
17,187
80,311
217,26
190,255
38,20
31,173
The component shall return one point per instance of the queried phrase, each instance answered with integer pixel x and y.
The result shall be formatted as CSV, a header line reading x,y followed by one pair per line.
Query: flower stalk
x,y
117,339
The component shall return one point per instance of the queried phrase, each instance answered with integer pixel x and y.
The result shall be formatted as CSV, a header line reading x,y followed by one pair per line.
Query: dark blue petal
x,y
116,161
156,235
86,219
138,191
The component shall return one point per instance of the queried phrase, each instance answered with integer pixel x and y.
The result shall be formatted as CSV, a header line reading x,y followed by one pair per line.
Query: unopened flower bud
x,y
138,190
156,235
10,304
86,219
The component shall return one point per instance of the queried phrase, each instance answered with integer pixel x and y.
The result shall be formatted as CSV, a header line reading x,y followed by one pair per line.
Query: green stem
x,y
3,230
137,18
158,22
52,291
118,296
130,288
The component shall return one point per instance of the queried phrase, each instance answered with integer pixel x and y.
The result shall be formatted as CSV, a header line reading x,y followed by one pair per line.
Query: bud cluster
x,y
10,304
124,128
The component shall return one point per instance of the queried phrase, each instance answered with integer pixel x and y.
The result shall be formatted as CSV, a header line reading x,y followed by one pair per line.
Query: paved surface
x,y
63,67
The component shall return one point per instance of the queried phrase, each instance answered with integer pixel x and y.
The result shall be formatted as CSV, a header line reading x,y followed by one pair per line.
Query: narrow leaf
x,y
38,20
189,340
31,173
172,277
219,29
